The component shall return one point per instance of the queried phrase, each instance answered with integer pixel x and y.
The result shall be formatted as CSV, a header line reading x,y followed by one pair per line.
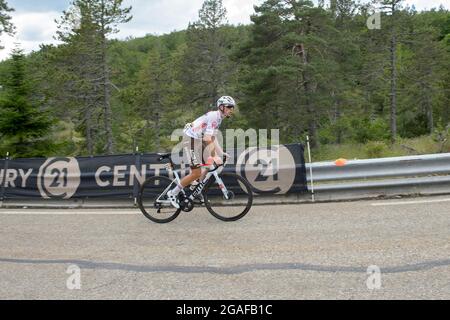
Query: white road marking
x,y
67,212
409,202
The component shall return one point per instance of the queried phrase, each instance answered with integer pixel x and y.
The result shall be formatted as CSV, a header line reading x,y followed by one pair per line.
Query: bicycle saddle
x,y
163,156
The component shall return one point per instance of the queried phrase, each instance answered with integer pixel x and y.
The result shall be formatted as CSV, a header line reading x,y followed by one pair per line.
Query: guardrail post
x,y
2,194
136,185
311,170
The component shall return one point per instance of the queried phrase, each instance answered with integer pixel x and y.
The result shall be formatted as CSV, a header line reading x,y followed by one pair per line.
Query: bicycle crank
x,y
187,205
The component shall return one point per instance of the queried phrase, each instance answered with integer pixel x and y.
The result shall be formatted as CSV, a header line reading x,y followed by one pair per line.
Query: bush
x,y
355,129
365,130
413,127
375,149
441,136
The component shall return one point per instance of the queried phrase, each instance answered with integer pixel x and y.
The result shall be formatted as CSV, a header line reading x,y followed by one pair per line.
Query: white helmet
x,y
226,101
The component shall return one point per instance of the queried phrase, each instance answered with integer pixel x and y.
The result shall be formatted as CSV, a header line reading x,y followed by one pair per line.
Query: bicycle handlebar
x,y
216,167
163,157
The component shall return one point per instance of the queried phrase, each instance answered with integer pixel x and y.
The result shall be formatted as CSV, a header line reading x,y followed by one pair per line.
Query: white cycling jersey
x,y
205,125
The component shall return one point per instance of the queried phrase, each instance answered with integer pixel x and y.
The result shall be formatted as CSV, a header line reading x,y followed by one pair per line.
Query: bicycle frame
x,y
199,189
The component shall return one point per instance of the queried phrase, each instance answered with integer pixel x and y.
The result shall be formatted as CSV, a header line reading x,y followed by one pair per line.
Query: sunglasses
x,y
229,107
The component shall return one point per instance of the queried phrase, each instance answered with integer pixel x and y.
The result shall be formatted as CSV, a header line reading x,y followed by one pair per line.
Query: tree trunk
x,y
393,79
393,89
312,126
429,111
158,129
298,103
106,97
337,117
88,121
333,7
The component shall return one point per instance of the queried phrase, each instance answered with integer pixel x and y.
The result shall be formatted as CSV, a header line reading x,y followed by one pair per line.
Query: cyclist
x,y
200,143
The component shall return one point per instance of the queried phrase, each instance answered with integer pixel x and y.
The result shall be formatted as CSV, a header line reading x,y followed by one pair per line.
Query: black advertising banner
x,y
274,170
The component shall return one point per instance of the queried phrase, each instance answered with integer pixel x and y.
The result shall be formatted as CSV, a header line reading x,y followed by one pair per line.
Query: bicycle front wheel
x,y
153,200
236,204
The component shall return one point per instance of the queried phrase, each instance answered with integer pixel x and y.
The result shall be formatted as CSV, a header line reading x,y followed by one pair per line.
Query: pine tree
x,y
5,20
261,59
206,69
79,72
153,92
107,15
286,62
344,91
423,73
392,7
22,123
84,29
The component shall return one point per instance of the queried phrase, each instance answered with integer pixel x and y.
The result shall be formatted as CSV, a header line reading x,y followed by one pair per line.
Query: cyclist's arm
x,y
210,138
218,148
211,143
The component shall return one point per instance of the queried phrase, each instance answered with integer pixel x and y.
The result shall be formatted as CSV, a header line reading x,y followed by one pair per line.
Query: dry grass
x,y
381,149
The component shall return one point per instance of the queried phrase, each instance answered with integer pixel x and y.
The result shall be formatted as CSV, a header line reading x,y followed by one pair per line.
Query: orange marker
x,y
341,162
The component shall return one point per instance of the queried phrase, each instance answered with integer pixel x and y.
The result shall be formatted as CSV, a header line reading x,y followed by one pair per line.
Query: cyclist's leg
x,y
194,175
193,151
207,152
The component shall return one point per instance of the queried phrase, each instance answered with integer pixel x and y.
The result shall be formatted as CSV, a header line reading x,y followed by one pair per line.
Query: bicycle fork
x,y
222,186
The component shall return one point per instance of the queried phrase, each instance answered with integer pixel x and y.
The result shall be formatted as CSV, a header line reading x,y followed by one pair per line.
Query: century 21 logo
x,y
59,178
269,171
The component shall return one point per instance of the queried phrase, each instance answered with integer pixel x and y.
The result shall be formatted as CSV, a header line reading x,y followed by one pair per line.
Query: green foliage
x,y
205,70
22,123
364,130
5,19
299,67
380,149
84,68
441,136
375,149
414,125
355,129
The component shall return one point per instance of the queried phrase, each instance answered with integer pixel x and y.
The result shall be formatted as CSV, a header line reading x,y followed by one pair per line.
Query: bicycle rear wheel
x,y
153,201
239,202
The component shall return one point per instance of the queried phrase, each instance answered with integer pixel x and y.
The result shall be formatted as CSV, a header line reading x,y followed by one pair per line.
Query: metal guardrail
x,y
358,179
425,174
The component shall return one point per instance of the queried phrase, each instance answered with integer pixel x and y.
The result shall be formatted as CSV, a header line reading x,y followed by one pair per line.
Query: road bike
x,y
227,196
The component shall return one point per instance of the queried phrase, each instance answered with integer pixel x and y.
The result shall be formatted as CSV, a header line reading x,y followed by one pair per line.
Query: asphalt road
x,y
310,251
